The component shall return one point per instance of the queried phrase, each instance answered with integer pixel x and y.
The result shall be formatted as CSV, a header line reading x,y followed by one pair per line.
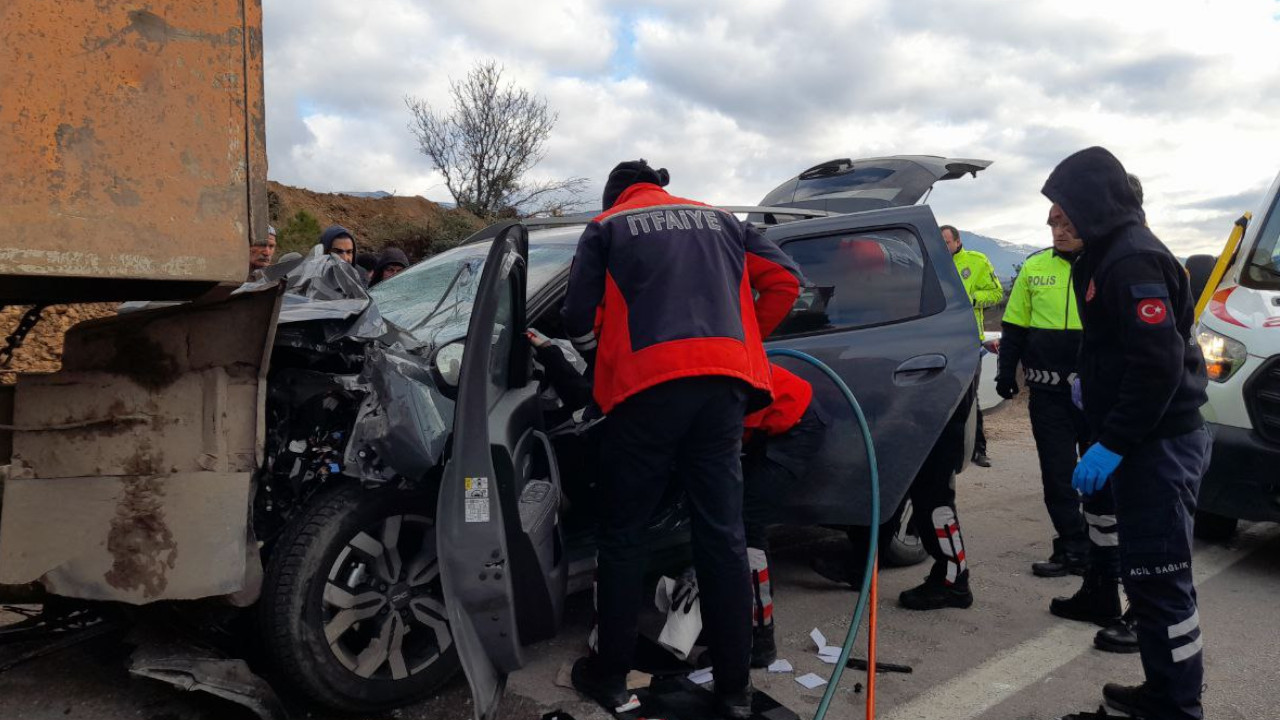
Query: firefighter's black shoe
x,y
1133,699
607,689
935,594
763,649
981,460
1100,714
734,705
1120,637
1061,564
1097,601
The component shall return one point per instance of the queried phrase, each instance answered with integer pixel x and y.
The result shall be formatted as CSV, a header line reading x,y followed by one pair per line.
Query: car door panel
x,y
909,375
503,575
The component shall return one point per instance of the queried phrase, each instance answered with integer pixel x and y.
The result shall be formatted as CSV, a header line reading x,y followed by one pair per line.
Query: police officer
x,y
1041,331
673,298
1142,380
984,291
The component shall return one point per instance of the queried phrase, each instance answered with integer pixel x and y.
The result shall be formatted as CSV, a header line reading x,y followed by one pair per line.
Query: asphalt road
x,y
1005,658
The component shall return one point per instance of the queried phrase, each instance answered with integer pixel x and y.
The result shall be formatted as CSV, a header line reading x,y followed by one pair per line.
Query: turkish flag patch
x,y
1152,311
1093,290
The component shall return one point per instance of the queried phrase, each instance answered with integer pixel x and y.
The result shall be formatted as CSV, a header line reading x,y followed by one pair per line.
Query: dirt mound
x,y
42,351
413,224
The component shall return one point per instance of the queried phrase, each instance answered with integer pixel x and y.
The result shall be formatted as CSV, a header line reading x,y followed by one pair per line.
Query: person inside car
x,y
673,298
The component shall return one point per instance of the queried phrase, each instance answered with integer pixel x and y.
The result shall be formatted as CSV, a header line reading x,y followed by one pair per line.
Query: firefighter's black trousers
x,y
686,431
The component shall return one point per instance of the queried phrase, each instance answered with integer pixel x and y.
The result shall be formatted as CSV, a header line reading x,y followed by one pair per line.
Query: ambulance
x,y
1238,330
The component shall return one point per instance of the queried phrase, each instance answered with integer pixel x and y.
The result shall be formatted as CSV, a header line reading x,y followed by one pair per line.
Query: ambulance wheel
x,y
352,612
1214,528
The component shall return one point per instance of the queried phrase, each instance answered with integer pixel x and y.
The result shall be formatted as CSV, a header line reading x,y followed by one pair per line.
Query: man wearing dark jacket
x,y
391,262
1142,380
673,297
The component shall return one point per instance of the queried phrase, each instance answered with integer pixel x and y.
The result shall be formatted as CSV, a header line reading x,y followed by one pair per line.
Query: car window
x,y
503,337
856,280
1263,269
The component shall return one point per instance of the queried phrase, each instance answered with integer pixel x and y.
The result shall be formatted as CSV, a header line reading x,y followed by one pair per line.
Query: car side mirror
x,y
446,364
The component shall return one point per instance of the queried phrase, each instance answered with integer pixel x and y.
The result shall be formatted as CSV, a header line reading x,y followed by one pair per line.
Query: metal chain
x,y
28,321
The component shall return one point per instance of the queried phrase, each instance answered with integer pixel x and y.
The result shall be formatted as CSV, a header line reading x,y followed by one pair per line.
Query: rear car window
x,y
856,280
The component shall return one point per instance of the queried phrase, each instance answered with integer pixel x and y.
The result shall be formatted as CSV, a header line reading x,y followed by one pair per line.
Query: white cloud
x,y
735,97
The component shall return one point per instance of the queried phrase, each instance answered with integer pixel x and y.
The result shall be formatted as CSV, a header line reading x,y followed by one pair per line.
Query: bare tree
x,y
493,136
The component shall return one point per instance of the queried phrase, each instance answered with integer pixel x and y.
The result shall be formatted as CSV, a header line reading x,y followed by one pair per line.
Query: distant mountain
x,y
373,194
1004,256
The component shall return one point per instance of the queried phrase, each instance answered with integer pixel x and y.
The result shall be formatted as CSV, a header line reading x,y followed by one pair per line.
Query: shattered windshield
x,y
433,299
1263,270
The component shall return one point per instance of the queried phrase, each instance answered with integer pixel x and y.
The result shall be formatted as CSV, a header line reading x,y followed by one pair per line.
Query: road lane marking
x,y
970,695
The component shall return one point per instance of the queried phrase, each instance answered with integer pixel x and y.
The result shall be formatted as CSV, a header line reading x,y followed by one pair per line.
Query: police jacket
x,y
1141,372
980,283
664,288
1041,324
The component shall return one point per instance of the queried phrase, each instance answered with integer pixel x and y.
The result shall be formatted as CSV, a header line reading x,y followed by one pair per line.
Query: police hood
x,y
1093,190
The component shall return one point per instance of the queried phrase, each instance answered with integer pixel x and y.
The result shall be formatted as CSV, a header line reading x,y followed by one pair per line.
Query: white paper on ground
x,y
701,677
830,651
818,639
811,680
781,666
829,659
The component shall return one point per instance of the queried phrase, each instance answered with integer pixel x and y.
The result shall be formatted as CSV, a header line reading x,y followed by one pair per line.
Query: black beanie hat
x,y
630,173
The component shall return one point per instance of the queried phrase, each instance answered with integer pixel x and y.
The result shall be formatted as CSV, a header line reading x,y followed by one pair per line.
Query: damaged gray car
x,y
376,489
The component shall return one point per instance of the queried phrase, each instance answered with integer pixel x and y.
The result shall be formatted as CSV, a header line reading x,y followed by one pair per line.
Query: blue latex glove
x,y
1094,468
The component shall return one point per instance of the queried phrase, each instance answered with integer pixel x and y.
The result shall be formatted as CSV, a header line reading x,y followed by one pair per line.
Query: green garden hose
x,y
863,594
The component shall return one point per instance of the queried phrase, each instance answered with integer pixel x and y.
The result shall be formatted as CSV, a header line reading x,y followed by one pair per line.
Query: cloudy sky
x,y
735,96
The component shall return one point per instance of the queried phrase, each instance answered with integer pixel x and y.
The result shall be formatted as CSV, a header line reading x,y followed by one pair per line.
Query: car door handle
x,y
920,367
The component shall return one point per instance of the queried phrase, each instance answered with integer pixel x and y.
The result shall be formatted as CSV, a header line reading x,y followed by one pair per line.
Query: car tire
x,y
1213,527
332,559
900,546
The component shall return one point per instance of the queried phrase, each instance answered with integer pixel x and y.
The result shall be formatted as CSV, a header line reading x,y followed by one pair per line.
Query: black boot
x,y
1061,564
734,705
935,594
607,689
763,649
1133,699
1097,601
1120,637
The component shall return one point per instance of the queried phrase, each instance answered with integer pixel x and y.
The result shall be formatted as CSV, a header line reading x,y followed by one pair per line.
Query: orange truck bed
x,y
132,147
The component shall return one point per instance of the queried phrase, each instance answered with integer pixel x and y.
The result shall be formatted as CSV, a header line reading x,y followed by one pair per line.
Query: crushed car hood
x,y
404,421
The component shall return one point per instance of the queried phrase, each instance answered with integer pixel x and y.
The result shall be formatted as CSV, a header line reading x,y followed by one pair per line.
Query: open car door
x,y
501,552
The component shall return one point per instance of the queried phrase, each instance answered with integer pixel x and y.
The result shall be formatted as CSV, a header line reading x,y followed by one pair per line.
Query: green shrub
x,y
298,234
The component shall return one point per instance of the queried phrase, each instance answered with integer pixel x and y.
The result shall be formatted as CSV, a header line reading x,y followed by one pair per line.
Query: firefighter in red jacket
x,y
673,298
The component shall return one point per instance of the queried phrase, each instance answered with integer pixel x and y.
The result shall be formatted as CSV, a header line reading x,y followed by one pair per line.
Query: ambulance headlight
x,y
1222,355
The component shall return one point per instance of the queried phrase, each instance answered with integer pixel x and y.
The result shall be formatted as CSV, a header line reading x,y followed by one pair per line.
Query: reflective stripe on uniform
x,y
1188,651
761,588
1186,626
1102,530
948,530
